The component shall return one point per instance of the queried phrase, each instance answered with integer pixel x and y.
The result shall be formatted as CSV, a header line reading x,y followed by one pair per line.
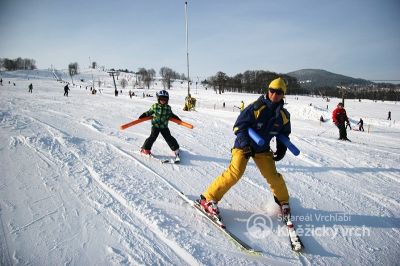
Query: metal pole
x,y
91,71
187,46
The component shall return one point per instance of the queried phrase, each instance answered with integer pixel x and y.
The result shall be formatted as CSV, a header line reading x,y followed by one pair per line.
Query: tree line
x,y
251,81
17,64
256,81
145,77
373,91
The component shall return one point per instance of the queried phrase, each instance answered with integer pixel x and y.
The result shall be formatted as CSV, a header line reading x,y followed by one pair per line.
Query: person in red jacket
x,y
339,118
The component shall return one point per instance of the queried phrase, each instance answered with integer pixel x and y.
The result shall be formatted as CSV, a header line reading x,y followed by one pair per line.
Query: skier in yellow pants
x,y
268,118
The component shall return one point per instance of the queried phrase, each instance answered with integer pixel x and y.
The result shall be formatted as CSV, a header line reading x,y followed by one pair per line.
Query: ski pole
x,y
181,123
319,134
134,122
285,140
282,138
254,136
140,120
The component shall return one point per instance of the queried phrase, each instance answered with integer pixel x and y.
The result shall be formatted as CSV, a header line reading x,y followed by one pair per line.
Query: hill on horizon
x,y
316,78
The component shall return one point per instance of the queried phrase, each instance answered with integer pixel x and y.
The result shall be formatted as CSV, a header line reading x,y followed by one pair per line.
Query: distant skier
x,y
66,90
161,113
30,88
339,118
1,82
267,117
360,125
241,106
190,103
389,116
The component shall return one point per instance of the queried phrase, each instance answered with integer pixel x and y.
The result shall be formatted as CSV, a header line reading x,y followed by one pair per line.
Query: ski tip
x,y
171,161
298,250
255,252
298,247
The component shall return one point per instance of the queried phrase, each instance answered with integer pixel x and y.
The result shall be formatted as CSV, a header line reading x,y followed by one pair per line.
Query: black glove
x,y
176,117
143,115
280,151
248,151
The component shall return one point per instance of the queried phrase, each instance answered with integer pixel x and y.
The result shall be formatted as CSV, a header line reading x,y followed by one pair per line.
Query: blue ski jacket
x,y
266,118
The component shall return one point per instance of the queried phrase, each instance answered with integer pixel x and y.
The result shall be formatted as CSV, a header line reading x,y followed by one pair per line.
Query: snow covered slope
x,y
73,189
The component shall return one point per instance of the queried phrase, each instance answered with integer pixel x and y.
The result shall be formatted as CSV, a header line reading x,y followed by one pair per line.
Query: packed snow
x,y
75,191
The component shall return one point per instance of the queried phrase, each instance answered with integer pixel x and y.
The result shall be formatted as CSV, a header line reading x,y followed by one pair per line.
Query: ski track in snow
x,y
95,179
86,197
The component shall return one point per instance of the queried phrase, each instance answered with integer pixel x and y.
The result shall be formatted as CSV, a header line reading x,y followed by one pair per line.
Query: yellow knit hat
x,y
278,84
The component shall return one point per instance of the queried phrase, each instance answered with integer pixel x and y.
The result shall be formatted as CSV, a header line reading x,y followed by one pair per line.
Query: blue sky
x,y
358,38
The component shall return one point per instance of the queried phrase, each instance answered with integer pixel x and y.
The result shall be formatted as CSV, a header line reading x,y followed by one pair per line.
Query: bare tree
x,y
19,63
141,74
220,81
151,72
168,76
145,77
123,82
73,70
149,77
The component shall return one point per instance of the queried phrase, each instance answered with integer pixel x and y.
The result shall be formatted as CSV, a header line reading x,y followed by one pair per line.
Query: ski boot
x,y
177,157
145,152
285,210
210,207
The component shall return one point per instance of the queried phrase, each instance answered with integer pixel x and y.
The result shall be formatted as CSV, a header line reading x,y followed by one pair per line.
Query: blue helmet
x,y
162,94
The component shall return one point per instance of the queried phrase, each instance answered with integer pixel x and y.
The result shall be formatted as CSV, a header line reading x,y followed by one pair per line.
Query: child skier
x,y
161,113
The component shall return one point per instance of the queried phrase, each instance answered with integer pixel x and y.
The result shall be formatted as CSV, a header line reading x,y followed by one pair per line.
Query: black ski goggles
x,y
278,92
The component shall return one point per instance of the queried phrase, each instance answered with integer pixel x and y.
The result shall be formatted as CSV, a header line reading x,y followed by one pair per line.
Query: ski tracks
x,y
74,159
311,171
122,209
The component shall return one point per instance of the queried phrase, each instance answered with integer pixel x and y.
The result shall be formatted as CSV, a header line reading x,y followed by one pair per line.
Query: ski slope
x,y
74,190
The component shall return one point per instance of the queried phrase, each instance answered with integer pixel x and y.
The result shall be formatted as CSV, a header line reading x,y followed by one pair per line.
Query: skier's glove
x,y
143,115
280,151
176,117
248,151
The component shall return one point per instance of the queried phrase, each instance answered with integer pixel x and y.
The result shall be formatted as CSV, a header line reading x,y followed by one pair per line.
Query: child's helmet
x,y
162,94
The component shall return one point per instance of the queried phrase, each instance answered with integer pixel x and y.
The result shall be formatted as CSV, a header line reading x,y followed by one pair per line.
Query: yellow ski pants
x,y
235,170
